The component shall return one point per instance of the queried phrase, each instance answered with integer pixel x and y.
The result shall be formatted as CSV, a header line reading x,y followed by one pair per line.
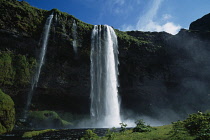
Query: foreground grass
x,y
158,133
36,133
196,126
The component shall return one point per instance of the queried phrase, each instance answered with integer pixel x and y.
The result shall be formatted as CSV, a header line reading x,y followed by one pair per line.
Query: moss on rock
x,y
46,119
15,69
20,16
31,134
7,113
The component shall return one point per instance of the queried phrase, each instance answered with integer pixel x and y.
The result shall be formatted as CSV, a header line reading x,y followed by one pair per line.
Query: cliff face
x,y
63,73
202,24
157,70
176,78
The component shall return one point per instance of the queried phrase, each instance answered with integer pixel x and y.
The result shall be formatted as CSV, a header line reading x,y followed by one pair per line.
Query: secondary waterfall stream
x,y
35,80
74,33
105,108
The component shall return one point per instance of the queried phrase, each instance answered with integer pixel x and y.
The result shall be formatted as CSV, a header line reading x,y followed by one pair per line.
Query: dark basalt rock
x,y
202,24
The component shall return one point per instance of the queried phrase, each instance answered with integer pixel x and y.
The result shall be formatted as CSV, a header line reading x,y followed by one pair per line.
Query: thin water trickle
x,y
74,33
105,108
35,80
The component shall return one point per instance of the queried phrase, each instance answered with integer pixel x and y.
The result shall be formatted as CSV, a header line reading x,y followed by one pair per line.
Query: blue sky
x,y
144,15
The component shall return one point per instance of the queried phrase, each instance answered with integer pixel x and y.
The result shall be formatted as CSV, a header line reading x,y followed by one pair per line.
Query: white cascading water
x,y
105,108
35,80
74,33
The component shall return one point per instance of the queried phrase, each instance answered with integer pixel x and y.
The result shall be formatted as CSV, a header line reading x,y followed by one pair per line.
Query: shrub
x,y
178,127
110,134
198,125
90,135
123,127
179,131
141,127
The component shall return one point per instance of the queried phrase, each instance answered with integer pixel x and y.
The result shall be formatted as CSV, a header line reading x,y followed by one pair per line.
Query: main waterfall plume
x,y
105,108
35,80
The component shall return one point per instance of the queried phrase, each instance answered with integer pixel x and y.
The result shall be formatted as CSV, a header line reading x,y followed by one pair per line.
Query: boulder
x,y
46,119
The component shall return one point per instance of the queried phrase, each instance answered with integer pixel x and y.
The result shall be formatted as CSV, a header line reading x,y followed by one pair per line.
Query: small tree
x,y
198,125
123,127
141,127
178,127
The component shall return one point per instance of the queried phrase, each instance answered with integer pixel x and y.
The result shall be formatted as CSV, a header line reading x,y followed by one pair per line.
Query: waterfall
x,y
105,108
74,33
44,41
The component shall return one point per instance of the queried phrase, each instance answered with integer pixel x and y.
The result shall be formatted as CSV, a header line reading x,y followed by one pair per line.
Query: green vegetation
x,y
16,15
110,134
123,127
46,119
140,40
7,73
23,67
15,70
7,113
72,117
28,20
196,126
36,133
90,135
157,133
130,40
141,127
65,25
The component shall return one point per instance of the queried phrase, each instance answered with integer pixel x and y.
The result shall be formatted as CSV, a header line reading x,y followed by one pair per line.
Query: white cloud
x,y
168,27
148,21
150,14
166,17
